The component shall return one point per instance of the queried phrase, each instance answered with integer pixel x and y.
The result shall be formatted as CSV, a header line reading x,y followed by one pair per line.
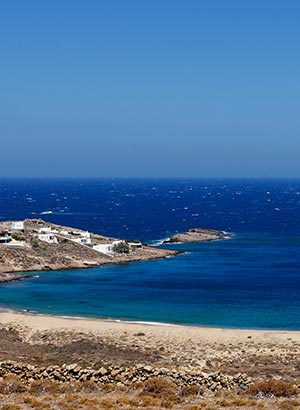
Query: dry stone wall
x,y
125,376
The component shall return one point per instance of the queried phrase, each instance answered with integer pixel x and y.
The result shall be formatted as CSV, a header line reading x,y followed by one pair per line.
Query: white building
x,y
17,226
64,232
5,239
135,245
85,238
82,241
104,248
47,237
47,229
85,234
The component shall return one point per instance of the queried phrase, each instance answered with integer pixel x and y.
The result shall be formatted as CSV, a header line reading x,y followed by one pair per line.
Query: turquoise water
x,y
249,281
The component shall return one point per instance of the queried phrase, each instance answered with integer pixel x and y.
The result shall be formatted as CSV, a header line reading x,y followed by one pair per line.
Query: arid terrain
x,y
54,363
29,253
197,235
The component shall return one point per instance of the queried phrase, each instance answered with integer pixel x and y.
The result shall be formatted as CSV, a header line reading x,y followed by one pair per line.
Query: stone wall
x,y
124,376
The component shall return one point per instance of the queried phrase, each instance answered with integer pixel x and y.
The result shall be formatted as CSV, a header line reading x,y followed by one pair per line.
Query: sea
x,y
251,280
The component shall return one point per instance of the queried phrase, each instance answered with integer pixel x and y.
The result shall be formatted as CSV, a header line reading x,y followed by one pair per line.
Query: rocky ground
x,y
197,235
66,254
120,366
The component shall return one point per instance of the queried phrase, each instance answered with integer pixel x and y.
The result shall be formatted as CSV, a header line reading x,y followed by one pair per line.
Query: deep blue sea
x,y
249,281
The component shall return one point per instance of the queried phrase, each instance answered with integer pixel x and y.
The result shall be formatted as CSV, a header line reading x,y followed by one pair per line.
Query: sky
x,y
150,88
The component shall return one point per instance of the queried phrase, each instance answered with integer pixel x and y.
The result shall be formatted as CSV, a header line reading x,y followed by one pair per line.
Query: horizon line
x,y
148,178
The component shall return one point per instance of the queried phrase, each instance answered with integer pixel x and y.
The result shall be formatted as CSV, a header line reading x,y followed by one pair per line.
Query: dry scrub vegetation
x,y
156,393
265,360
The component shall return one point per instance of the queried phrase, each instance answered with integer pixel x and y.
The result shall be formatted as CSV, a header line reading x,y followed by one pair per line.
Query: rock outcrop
x,y
29,253
197,235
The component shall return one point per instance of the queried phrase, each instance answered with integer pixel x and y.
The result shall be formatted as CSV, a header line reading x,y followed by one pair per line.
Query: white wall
x,y
82,241
104,248
49,238
17,225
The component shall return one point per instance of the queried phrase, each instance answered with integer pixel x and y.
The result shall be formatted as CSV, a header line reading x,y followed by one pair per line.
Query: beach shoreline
x,y
103,354
43,322
257,353
19,313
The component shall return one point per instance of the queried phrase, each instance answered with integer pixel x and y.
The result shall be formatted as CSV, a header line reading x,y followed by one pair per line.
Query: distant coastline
x,y
197,235
34,245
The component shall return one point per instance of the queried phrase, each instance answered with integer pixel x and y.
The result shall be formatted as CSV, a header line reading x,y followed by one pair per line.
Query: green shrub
x,y
121,247
17,237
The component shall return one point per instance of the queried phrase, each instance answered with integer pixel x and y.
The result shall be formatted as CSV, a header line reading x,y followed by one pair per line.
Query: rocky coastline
x,y
197,235
27,248
41,246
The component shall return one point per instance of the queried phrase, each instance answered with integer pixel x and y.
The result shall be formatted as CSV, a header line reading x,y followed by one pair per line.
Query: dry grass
x,y
154,394
10,406
192,390
116,402
12,384
277,388
159,387
163,389
289,404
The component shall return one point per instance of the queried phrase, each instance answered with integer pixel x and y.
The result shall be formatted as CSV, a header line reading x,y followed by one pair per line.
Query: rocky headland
x,y
197,235
36,245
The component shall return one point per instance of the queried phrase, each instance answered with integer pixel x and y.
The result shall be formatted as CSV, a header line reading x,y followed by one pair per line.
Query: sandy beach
x,y
53,361
255,352
99,326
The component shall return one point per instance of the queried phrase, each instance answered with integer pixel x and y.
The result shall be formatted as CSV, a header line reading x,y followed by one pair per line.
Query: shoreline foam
x,y
98,320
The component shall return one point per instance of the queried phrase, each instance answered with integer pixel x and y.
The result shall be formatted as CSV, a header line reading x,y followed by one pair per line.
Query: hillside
x,y
40,246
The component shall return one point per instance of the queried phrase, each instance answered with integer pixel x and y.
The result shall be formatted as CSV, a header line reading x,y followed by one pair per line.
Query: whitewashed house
x,y
5,239
47,237
47,229
64,232
85,234
17,226
85,238
104,248
135,245
82,241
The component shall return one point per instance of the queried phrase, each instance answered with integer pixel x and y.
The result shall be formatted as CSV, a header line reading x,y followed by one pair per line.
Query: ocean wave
x,y
158,242
141,322
101,319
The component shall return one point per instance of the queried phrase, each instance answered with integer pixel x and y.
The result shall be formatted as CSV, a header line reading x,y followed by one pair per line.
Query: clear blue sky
x,y
150,88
